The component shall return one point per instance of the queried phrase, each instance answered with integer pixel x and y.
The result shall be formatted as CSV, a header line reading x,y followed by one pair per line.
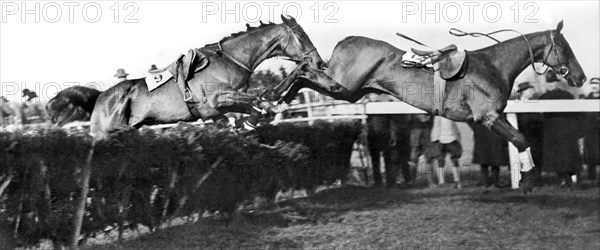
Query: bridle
x,y
305,54
290,30
562,70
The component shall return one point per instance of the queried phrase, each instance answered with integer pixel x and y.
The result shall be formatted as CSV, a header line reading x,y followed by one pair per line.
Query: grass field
x,y
415,218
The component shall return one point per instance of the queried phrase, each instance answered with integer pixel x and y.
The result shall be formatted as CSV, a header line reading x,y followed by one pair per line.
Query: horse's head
x,y
62,113
296,45
72,104
560,58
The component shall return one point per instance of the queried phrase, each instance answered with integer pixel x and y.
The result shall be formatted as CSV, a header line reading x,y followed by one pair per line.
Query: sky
x,y
84,43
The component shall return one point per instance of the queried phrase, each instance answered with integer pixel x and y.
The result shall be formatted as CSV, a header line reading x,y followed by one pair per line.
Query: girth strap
x,y
439,92
186,68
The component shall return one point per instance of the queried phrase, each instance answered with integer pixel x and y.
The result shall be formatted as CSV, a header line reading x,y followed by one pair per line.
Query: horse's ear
x,y
247,26
559,27
285,20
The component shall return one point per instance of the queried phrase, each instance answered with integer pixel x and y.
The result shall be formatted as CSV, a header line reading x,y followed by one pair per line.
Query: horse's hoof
x,y
526,183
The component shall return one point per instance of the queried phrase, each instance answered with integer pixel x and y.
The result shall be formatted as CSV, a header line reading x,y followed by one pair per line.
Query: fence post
x,y
515,164
86,173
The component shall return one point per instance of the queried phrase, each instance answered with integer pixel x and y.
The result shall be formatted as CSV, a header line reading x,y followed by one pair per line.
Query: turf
x,y
412,218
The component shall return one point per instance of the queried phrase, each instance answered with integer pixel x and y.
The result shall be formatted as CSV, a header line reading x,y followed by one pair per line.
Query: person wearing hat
x,y
591,166
531,126
121,75
29,94
153,68
33,108
595,89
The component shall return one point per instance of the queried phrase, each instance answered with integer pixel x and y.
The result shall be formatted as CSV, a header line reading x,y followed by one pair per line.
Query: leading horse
x,y
219,88
477,92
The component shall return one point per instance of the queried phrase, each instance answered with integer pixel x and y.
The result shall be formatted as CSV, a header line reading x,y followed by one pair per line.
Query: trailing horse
x,y
477,83
14,109
206,83
72,104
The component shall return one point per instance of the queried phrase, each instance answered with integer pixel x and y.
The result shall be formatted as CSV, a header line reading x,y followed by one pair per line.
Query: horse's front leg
x,y
286,84
319,80
504,129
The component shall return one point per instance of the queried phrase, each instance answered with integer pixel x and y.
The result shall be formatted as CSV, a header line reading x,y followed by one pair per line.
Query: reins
x,y
460,33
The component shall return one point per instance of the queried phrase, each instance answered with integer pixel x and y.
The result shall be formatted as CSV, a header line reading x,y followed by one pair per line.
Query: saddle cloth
x,y
156,79
184,68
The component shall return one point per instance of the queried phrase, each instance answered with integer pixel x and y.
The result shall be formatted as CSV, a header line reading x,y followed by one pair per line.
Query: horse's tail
x,y
72,104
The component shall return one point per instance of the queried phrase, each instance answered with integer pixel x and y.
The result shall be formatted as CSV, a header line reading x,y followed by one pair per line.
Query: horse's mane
x,y
237,34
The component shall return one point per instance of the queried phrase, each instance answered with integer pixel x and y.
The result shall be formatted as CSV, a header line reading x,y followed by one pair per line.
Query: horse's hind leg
x,y
504,129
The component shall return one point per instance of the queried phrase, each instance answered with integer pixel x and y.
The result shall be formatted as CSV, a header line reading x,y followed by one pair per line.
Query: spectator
x,y
490,151
153,68
562,131
388,134
531,126
592,160
446,140
121,75
33,109
420,143
31,95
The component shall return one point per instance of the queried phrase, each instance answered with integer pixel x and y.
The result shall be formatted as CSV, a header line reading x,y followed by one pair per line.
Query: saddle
x,y
449,61
428,53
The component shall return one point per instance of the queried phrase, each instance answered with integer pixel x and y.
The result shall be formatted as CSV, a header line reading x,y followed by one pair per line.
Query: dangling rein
x,y
460,33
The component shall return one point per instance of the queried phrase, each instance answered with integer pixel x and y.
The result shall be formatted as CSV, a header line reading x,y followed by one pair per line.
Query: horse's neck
x,y
511,57
253,48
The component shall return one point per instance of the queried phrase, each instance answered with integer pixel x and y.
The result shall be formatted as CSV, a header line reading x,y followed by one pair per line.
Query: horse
x,y
476,91
14,109
72,104
220,87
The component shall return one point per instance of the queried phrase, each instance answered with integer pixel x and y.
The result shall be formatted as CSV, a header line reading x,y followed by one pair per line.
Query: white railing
x,y
513,107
